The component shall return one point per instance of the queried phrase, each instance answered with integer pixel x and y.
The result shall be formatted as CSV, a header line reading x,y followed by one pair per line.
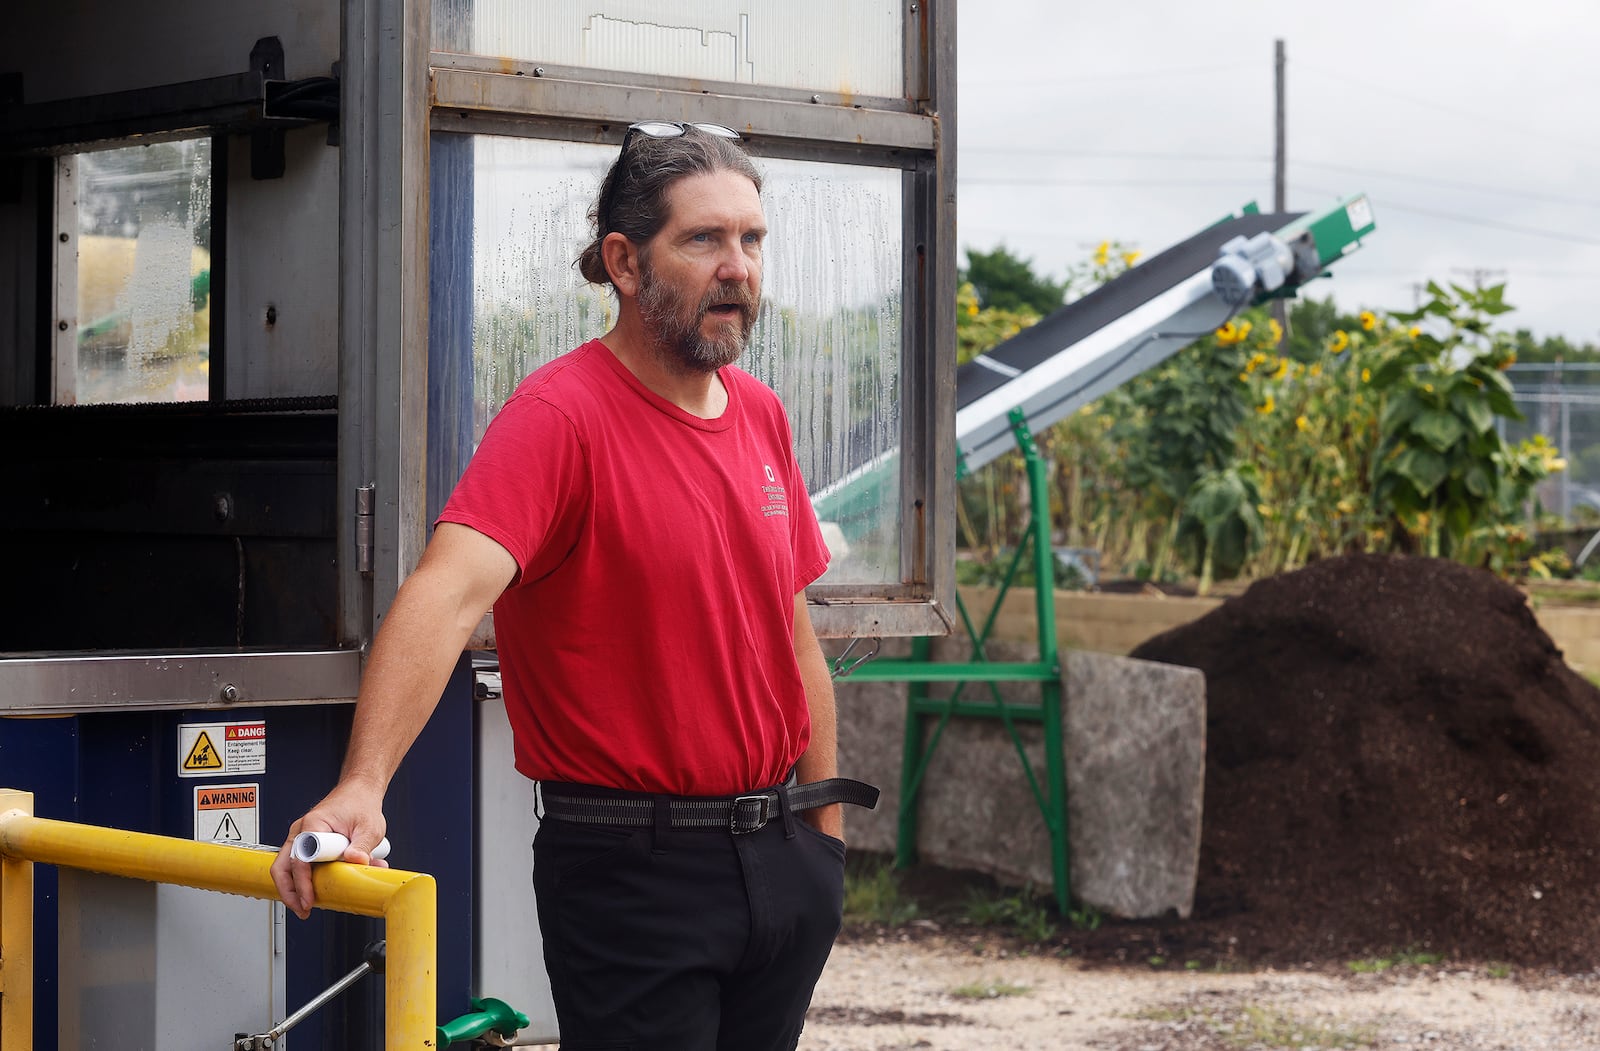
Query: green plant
x,y
1085,918
873,895
1377,965
1274,1028
988,990
1020,913
1311,439
1442,467
1257,1027
1220,523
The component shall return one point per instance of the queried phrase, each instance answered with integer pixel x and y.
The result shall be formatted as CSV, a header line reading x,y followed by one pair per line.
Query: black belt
x,y
586,805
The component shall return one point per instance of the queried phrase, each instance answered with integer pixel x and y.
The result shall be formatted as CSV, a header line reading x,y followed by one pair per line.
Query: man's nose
x,y
733,265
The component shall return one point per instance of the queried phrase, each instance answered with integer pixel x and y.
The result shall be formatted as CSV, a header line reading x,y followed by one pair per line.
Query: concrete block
x,y
1135,755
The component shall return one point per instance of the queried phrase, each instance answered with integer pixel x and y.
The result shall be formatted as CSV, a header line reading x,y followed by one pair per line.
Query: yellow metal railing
x,y
405,900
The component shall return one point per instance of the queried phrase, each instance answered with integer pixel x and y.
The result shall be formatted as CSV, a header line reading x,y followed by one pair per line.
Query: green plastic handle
x,y
486,1014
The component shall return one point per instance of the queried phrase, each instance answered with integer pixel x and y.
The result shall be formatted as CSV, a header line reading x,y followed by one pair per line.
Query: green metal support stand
x,y
918,671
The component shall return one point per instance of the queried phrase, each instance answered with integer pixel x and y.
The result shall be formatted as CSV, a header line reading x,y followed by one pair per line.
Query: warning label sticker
x,y
209,749
228,814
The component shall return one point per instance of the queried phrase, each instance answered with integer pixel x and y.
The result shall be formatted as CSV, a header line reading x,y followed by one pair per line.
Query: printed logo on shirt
x,y
774,497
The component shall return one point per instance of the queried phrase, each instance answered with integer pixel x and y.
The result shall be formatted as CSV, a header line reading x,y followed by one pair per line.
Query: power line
x,y
1248,159
1391,95
1451,183
1355,265
1131,155
1095,78
1006,180
1384,203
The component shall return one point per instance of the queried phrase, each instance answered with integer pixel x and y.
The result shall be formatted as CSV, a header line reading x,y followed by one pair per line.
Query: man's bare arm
x,y
821,760
460,576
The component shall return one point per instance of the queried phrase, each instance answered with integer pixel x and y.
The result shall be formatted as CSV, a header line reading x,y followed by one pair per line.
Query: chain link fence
x,y
1562,402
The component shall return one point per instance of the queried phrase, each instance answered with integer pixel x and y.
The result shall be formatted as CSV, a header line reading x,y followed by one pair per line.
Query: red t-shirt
x,y
647,641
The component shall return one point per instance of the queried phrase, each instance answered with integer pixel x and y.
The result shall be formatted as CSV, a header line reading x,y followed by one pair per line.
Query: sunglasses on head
x,y
671,129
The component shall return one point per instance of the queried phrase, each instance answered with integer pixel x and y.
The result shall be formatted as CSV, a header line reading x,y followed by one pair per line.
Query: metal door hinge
x,y
364,528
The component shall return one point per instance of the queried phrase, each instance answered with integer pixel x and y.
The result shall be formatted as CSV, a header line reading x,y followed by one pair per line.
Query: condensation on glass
x,y
138,251
786,45
827,339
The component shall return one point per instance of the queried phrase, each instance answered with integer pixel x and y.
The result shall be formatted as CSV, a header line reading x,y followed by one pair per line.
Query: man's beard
x,y
673,325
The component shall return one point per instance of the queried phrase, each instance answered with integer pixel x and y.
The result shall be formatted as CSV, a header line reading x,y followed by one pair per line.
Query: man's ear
x,y
621,257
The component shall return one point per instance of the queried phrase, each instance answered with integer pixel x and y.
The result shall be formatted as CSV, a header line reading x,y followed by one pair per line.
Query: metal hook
x,y
842,670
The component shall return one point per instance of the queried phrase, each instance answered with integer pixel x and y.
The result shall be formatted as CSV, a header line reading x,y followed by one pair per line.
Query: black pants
x,y
687,940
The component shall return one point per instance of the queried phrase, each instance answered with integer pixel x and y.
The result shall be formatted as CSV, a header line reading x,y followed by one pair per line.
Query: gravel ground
x,y
931,993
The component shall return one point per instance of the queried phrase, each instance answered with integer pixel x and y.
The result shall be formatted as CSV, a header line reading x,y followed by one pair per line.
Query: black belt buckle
x,y
740,818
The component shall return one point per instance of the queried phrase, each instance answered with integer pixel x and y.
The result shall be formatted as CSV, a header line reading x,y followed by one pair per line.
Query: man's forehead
x,y
723,196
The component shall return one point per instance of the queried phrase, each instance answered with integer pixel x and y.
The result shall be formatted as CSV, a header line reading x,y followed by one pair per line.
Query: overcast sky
x,y
1473,126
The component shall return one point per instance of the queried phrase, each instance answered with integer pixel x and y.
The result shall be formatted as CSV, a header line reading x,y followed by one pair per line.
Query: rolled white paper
x,y
329,846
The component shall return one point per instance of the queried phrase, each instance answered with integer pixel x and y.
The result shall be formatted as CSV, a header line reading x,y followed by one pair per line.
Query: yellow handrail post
x,y
410,986
16,936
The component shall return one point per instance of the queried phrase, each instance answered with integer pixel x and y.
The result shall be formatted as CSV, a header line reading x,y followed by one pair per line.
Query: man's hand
x,y
354,810
828,820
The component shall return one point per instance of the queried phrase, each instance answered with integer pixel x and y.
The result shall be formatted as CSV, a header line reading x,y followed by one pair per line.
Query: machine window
x,y
133,274
829,336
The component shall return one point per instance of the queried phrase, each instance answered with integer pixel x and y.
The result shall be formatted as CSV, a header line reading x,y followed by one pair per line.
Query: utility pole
x,y
1479,274
1280,204
1280,154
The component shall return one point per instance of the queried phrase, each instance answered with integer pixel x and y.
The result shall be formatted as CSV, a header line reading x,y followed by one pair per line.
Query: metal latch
x,y
364,496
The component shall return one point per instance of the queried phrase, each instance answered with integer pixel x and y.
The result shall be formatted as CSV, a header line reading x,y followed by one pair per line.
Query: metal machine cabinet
x,y
266,270
508,951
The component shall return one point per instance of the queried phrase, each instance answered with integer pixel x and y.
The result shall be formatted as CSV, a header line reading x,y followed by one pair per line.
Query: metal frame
x,y
394,90
75,683
233,102
383,210
474,94
502,94
63,293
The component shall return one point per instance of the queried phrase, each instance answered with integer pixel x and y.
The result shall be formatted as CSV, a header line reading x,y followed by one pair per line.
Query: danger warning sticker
x,y
228,814
209,749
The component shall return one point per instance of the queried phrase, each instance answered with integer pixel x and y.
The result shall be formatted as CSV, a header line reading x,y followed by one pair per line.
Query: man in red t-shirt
x,y
636,517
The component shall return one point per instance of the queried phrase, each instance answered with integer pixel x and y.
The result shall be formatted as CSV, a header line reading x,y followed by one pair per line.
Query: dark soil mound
x,y
1398,759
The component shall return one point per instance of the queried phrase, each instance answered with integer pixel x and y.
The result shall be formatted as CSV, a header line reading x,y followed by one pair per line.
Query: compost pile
x,y
1398,759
